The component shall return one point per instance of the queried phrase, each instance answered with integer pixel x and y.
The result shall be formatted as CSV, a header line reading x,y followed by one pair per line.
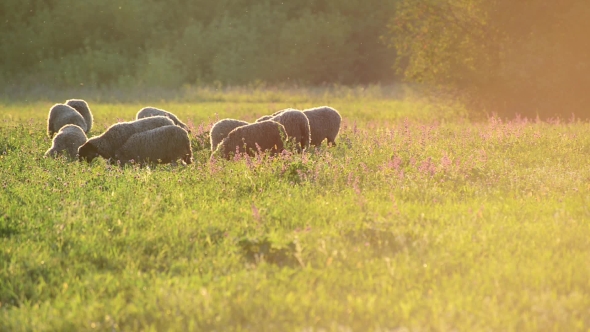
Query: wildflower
x,y
427,168
255,213
445,161
237,156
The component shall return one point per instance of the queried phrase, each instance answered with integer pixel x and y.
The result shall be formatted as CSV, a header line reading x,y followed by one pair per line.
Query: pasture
x,y
420,219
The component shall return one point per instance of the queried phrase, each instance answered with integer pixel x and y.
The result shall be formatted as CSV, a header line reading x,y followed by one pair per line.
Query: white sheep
x,y
221,129
324,123
61,115
147,112
160,145
296,125
266,135
68,139
82,107
116,135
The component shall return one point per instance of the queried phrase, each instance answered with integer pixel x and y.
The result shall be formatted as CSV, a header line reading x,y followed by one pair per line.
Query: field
x,y
420,219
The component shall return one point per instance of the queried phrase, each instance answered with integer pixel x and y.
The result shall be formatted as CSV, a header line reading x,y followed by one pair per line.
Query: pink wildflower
x,y
255,213
445,161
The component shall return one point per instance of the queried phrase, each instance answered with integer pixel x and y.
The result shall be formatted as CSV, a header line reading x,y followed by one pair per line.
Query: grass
x,y
418,220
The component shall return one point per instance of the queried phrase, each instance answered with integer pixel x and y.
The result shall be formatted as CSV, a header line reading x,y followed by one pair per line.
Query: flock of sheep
x,y
158,136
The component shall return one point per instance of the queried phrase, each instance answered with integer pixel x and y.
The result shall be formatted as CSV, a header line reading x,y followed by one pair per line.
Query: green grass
x,y
418,220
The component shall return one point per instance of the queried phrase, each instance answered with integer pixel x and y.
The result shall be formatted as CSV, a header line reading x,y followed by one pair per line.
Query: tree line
x,y
504,56
174,42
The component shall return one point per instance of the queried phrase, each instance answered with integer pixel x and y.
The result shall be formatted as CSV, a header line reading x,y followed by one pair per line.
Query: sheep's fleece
x,y
268,135
81,107
269,117
116,135
61,115
147,112
221,129
324,123
160,145
297,126
68,139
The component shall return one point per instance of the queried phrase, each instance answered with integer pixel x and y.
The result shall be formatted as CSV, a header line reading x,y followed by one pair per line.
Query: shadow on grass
x,y
7,227
380,241
259,250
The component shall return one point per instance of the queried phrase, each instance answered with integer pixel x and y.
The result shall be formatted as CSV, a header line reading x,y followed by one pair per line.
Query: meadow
x,y
420,219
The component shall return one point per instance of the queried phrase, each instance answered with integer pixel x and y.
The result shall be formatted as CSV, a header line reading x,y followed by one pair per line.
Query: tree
x,y
528,57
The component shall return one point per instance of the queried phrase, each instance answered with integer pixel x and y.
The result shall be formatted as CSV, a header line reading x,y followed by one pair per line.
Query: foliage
x,y
63,43
528,57
412,222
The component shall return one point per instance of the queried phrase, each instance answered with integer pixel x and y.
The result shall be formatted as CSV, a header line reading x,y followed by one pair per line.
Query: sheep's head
x,y
87,152
220,150
51,153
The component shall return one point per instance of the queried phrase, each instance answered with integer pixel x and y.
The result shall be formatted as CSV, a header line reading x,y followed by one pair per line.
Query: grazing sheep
x,y
324,123
268,135
296,125
160,145
147,112
116,135
69,138
82,107
61,115
221,129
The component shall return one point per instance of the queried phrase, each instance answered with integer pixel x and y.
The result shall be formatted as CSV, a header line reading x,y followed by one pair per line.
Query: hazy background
x,y
503,56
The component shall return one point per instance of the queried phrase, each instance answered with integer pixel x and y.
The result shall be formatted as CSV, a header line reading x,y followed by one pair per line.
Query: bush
x,y
67,42
90,67
158,69
314,48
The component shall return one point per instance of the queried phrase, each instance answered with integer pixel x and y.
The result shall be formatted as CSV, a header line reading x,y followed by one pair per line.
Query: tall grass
x,y
417,220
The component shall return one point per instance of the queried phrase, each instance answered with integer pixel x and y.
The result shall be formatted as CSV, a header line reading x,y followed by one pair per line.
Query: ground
x,y
420,219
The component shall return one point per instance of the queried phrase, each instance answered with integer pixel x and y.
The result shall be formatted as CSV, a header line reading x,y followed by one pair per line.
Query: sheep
x,y
116,135
324,123
266,135
69,138
296,125
82,107
159,145
61,115
221,129
147,112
